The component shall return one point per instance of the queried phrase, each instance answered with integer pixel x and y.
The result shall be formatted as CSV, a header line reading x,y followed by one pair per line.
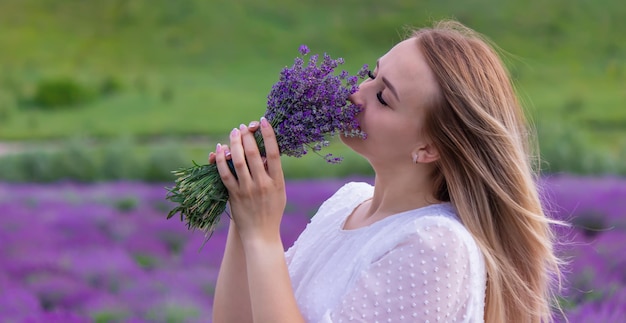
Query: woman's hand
x,y
257,201
257,195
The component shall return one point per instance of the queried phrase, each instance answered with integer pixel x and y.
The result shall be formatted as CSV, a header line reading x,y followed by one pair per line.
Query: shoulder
x,y
441,221
348,194
435,244
352,188
442,229
434,230
443,239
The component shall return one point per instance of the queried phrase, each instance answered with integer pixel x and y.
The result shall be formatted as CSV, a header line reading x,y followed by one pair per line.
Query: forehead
x,y
406,68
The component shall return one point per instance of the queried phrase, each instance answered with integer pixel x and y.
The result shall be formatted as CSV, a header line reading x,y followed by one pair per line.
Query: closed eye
x,y
379,95
382,101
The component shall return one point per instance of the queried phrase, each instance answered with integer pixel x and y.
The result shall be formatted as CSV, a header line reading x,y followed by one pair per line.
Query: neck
x,y
399,189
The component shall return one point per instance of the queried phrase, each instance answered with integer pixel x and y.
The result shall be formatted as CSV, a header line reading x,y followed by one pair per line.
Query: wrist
x,y
258,242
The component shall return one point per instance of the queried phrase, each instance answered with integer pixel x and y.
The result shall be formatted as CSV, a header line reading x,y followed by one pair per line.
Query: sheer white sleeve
x,y
425,278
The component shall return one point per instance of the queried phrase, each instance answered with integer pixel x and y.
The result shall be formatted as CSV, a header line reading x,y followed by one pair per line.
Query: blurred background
x,y
155,83
100,100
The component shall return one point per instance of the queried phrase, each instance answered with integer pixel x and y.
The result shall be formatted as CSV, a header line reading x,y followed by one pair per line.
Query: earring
x,y
415,156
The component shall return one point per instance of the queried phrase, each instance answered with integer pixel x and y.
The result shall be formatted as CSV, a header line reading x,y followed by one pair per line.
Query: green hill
x,y
199,67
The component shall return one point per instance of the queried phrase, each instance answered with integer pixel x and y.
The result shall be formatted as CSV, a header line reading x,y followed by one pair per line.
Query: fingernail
x,y
218,148
234,132
253,124
242,127
227,153
264,122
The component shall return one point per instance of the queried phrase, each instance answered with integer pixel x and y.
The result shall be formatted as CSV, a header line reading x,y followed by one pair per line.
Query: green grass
x,y
310,165
198,68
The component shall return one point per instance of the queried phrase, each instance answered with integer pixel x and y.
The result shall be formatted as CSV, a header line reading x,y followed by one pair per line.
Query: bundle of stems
x,y
200,195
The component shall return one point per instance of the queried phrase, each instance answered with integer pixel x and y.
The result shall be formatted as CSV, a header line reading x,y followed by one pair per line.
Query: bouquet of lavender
x,y
308,104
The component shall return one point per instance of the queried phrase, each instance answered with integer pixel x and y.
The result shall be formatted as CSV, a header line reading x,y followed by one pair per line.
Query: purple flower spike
x,y
303,50
363,71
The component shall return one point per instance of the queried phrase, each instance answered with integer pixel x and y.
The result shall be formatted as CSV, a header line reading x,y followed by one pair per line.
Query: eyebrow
x,y
387,83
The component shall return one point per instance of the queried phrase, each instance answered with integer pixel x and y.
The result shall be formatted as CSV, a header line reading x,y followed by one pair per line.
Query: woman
x,y
452,230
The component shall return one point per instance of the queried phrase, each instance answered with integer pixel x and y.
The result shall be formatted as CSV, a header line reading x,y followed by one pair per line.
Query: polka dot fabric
x,y
417,266
425,278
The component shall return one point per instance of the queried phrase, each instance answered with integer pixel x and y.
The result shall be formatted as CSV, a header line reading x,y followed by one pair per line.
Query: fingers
x,y
212,155
251,150
244,153
238,154
222,167
272,152
252,127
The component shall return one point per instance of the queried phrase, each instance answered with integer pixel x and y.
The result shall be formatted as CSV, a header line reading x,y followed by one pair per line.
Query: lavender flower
x,y
307,105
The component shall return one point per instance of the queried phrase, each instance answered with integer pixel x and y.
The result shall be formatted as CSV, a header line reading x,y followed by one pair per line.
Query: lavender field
x,y
105,252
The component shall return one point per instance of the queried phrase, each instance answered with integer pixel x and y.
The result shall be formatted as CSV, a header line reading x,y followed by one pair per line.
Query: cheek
x,y
399,133
388,126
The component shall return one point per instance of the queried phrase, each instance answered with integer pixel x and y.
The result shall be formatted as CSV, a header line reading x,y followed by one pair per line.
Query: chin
x,y
354,143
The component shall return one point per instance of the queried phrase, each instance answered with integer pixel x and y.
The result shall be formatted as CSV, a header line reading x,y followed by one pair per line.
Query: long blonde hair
x,y
486,170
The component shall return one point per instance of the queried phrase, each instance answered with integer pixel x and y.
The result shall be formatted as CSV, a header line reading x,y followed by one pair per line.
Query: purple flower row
x,y
105,252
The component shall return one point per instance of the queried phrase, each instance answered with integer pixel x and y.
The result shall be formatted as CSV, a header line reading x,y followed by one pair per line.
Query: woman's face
x,y
394,101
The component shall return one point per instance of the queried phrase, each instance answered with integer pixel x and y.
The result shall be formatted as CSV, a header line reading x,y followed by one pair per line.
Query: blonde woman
x,y
452,229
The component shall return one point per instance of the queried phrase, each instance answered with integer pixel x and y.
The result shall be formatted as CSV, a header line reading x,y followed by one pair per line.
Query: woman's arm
x,y
231,302
257,201
271,293
232,296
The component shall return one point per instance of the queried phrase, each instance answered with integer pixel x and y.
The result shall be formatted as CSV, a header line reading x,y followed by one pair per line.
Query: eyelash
x,y
379,95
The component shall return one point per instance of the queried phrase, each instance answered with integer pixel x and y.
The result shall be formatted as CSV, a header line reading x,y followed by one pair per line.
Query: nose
x,y
355,97
352,98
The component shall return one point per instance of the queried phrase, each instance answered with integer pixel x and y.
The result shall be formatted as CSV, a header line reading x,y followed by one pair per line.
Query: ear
x,y
425,154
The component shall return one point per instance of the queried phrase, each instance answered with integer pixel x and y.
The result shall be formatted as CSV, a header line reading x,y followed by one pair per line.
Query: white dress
x,y
420,265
